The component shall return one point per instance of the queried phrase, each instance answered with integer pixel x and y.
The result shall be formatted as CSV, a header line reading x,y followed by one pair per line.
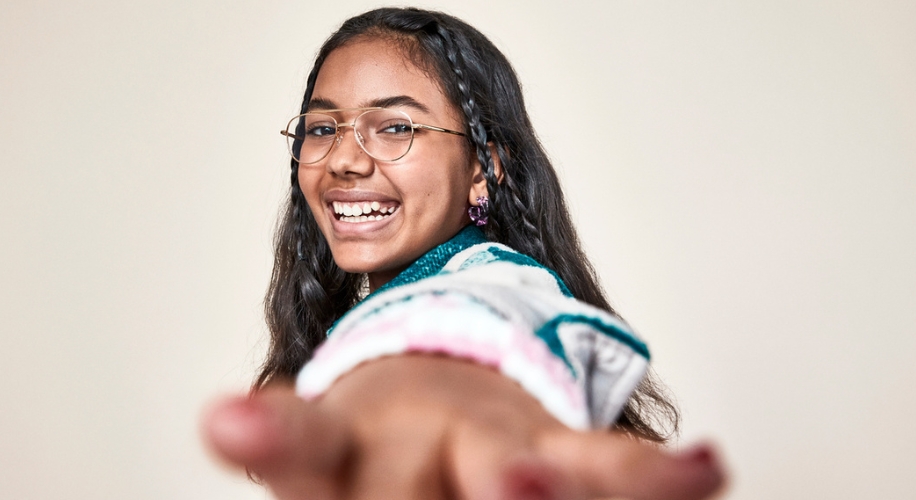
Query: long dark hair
x,y
308,291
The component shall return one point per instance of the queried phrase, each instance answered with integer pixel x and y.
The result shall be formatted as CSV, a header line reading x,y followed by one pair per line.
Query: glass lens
x,y
385,134
311,136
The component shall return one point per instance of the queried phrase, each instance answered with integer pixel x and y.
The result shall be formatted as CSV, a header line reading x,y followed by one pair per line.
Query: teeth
x,y
355,219
361,211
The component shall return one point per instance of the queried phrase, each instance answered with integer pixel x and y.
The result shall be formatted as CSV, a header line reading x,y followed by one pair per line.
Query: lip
x,y
344,229
353,195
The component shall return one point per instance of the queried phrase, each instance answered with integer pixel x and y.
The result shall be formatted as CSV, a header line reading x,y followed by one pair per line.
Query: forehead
x,y
368,70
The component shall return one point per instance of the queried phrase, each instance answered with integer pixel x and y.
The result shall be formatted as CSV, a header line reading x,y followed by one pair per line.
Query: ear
x,y
479,181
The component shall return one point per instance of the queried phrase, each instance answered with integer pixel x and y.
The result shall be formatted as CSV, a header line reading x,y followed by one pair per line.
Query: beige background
x,y
743,174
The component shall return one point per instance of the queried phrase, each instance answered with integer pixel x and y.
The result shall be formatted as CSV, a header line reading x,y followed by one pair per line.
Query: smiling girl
x,y
424,184
485,349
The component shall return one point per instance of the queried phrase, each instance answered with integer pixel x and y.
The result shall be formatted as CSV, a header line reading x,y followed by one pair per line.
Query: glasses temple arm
x,y
294,136
437,129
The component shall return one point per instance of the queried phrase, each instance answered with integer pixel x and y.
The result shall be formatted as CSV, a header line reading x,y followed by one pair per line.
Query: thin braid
x,y
473,116
298,199
308,290
506,201
520,213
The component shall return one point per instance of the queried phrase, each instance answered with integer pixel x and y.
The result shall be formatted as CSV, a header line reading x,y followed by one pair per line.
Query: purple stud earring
x,y
480,213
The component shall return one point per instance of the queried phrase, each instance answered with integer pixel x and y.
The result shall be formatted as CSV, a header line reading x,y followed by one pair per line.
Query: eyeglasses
x,y
384,134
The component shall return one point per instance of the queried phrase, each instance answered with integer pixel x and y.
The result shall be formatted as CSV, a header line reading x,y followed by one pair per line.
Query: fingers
x,y
497,462
618,466
399,459
533,478
288,443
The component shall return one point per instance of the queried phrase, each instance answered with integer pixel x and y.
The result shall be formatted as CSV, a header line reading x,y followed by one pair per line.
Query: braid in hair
x,y
308,291
475,126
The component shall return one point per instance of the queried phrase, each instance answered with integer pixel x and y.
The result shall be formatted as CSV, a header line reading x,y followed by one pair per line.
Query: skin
x,y
432,186
423,426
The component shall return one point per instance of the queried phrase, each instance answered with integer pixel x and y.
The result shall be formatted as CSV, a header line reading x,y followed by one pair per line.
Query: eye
x,y
394,127
318,125
320,130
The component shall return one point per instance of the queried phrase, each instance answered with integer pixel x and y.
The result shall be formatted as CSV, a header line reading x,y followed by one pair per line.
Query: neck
x,y
379,278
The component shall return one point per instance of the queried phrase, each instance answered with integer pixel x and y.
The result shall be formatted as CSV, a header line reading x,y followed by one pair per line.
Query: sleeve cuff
x,y
457,325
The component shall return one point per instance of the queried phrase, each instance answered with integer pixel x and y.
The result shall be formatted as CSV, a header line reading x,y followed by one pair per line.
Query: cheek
x,y
443,177
308,186
435,192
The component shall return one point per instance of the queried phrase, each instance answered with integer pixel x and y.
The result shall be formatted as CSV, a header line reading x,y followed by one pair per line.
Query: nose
x,y
347,157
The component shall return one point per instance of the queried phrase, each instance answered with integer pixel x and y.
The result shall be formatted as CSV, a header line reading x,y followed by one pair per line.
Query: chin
x,y
355,266
359,262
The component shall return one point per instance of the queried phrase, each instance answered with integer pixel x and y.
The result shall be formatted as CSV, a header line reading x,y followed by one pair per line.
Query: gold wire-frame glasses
x,y
383,133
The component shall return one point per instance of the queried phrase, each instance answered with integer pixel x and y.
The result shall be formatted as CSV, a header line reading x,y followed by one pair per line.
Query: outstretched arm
x,y
431,427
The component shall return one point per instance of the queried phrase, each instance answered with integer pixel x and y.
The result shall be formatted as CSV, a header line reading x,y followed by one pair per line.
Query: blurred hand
x,y
429,427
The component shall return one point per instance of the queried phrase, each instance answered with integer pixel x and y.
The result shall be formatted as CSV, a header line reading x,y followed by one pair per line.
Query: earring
x,y
480,213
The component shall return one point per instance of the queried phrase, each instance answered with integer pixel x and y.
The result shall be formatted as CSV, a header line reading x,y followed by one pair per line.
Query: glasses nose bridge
x,y
341,130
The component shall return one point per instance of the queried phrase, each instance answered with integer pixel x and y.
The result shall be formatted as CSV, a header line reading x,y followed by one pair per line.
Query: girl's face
x,y
422,198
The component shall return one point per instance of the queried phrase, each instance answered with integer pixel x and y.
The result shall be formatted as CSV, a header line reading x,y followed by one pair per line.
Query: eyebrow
x,y
320,103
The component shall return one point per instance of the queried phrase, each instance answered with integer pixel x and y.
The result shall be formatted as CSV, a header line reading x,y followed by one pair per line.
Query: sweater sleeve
x,y
579,362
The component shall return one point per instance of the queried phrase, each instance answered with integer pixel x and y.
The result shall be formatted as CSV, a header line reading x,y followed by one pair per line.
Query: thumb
x,y
496,462
613,465
290,444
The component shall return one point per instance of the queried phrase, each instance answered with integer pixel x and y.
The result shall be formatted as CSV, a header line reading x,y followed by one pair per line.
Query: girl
x,y
485,347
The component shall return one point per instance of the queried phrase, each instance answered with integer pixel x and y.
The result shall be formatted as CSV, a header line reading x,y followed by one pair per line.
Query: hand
x,y
428,427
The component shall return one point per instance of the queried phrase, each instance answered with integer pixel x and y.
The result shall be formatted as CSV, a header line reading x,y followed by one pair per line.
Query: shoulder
x,y
501,263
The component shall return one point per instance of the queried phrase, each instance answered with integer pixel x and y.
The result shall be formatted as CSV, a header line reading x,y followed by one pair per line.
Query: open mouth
x,y
363,211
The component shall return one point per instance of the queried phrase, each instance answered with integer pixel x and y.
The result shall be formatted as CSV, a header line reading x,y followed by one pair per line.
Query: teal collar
x,y
432,262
